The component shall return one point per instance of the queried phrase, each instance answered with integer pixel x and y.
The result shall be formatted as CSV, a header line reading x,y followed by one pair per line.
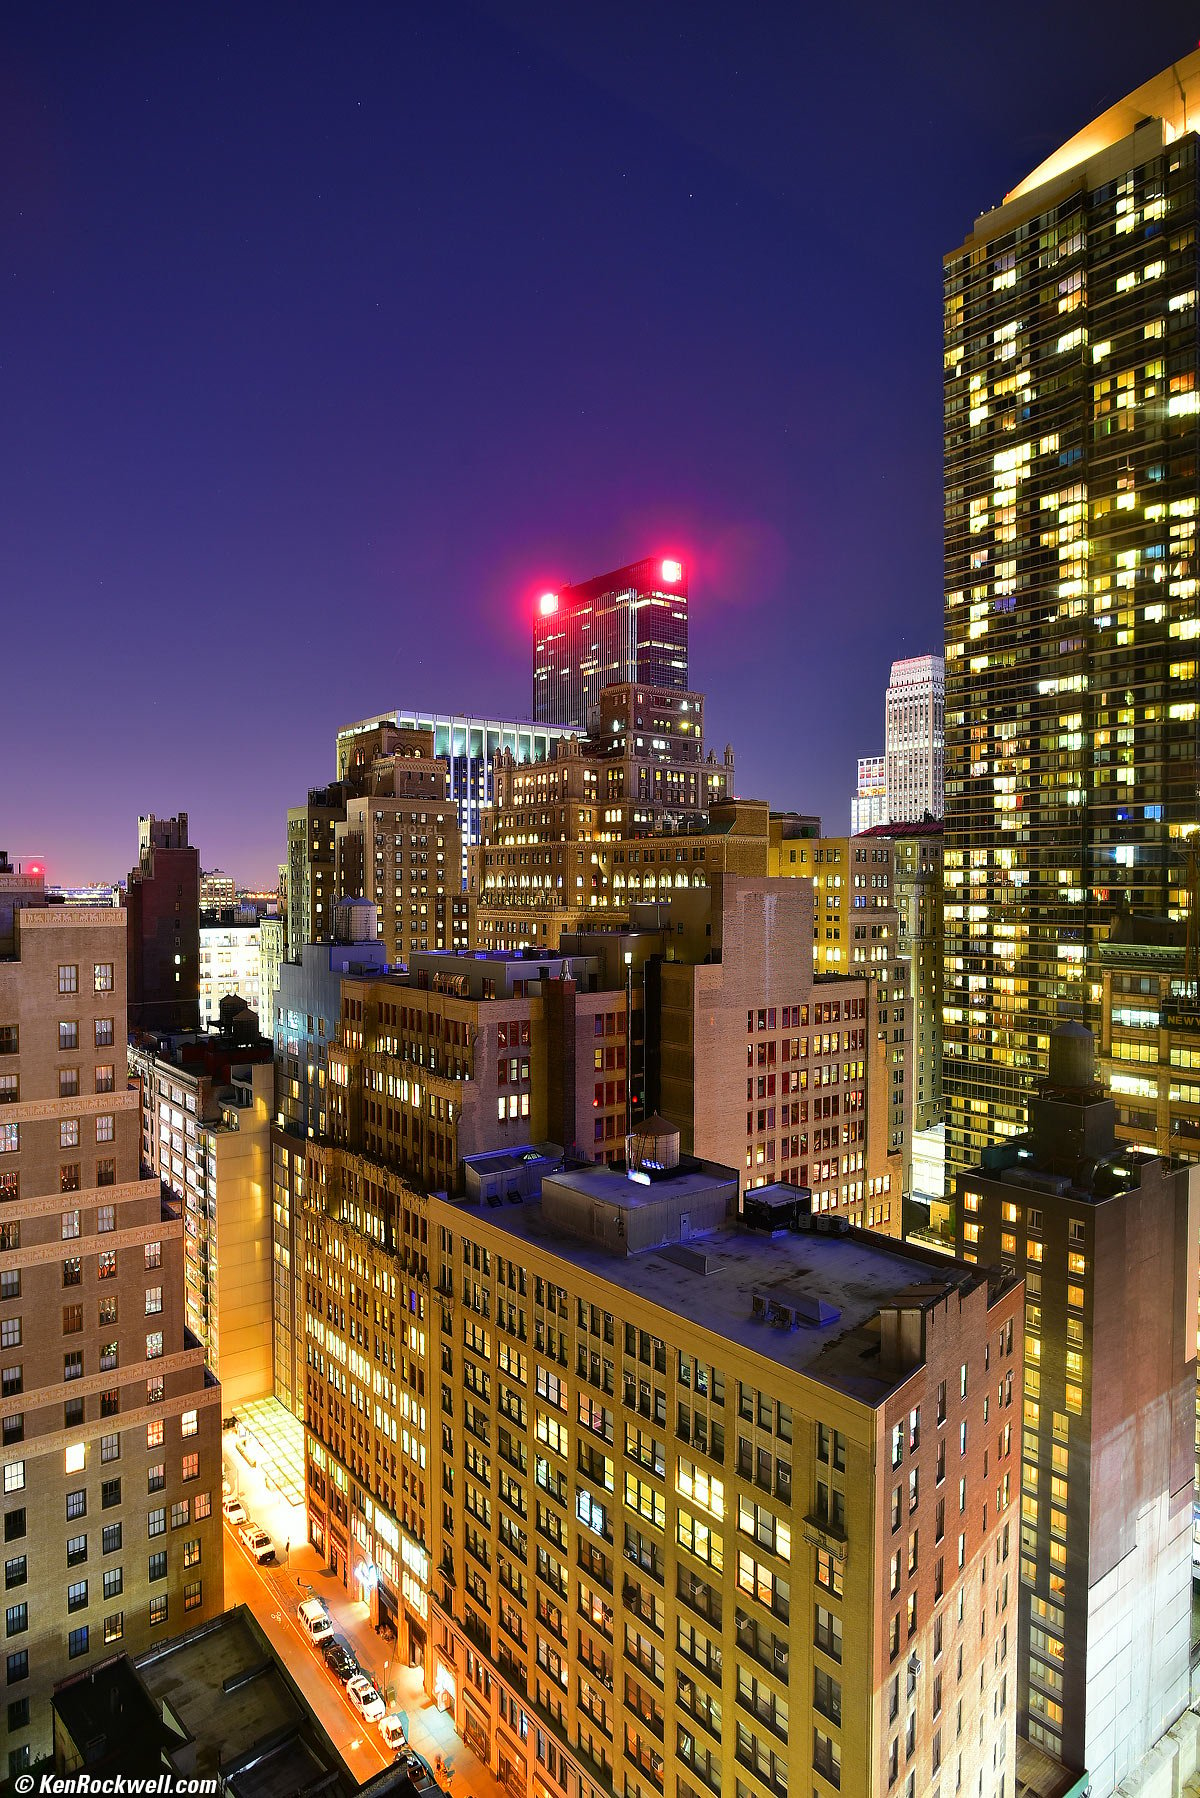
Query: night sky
x,y
330,336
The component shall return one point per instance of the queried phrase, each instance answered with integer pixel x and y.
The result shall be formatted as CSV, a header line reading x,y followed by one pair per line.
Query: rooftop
x,y
712,1281
112,1720
503,1160
214,1701
1173,95
610,1186
924,827
227,1691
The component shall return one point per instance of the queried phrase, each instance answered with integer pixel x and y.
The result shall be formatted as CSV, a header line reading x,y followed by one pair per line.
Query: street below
x,y
272,1592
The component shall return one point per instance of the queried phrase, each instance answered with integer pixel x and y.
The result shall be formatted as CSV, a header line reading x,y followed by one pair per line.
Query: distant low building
x,y
230,962
217,891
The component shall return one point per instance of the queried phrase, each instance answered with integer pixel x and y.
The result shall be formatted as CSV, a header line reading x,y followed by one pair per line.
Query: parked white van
x,y
315,1619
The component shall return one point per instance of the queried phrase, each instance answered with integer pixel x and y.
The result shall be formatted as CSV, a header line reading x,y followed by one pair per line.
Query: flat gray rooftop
x,y
499,1160
713,1285
612,1187
191,1678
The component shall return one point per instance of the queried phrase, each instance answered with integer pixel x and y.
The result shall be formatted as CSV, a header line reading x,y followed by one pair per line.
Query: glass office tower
x,y
1071,438
631,625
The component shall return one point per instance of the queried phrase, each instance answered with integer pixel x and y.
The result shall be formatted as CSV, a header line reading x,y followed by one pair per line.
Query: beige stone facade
x,y
677,1549
856,930
604,822
110,1459
209,1141
773,1069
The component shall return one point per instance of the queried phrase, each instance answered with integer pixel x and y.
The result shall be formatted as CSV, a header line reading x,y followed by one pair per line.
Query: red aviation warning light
x,y
672,572
548,604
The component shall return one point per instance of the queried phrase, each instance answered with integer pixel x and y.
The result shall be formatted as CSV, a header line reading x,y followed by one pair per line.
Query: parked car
x,y
257,1541
234,1510
392,1731
339,1658
314,1619
365,1698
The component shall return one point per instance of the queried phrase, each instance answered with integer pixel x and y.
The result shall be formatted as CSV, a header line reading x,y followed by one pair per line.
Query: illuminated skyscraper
x,y
914,740
1071,456
627,626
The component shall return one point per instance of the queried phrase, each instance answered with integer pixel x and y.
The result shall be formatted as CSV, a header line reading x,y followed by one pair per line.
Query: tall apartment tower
x,y
163,902
630,625
1072,414
110,1432
914,740
1106,1240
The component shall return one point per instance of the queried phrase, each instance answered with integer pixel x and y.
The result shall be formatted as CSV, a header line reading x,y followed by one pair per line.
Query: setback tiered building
x,y
468,747
915,739
594,826
386,831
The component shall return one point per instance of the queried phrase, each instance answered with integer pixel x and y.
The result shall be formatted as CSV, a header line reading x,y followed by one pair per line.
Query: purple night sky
x,y
334,335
